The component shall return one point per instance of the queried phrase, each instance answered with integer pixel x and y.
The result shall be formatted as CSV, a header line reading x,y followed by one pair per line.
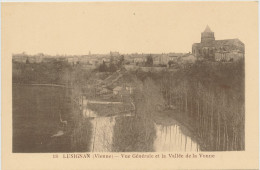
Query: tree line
x,y
211,97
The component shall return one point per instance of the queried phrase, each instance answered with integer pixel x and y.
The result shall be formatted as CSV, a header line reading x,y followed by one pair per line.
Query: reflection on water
x,y
171,138
37,127
168,138
36,121
102,131
102,137
89,113
59,133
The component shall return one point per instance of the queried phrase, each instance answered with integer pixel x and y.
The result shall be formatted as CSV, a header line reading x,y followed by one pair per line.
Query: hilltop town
x,y
197,89
208,49
94,60
108,76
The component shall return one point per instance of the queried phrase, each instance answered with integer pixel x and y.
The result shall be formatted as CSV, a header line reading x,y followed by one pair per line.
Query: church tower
x,y
207,36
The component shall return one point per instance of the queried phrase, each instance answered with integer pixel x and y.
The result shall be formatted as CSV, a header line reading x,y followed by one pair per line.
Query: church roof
x,y
236,43
207,29
228,42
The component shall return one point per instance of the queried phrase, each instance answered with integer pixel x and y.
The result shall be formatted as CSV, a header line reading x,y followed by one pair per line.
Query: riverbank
x,y
36,115
172,117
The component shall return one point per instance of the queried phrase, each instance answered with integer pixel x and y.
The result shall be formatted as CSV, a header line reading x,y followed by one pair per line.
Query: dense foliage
x,y
210,97
52,72
207,97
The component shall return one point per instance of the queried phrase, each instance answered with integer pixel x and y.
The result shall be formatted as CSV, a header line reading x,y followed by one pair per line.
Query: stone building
x,y
187,58
217,50
160,59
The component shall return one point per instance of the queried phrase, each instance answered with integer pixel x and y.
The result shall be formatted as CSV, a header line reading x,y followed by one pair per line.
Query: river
x,y
38,113
171,138
168,138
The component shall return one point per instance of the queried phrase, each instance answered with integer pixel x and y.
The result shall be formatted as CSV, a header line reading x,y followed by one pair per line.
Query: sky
x,y
127,27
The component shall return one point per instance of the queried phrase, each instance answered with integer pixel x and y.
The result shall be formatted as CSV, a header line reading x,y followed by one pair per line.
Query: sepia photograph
x,y
129,77
137,102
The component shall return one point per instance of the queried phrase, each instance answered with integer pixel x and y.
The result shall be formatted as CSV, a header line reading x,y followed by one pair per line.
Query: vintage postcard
x,y
130,85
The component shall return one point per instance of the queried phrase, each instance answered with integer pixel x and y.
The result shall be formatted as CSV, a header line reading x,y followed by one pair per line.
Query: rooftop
x,y
207,29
